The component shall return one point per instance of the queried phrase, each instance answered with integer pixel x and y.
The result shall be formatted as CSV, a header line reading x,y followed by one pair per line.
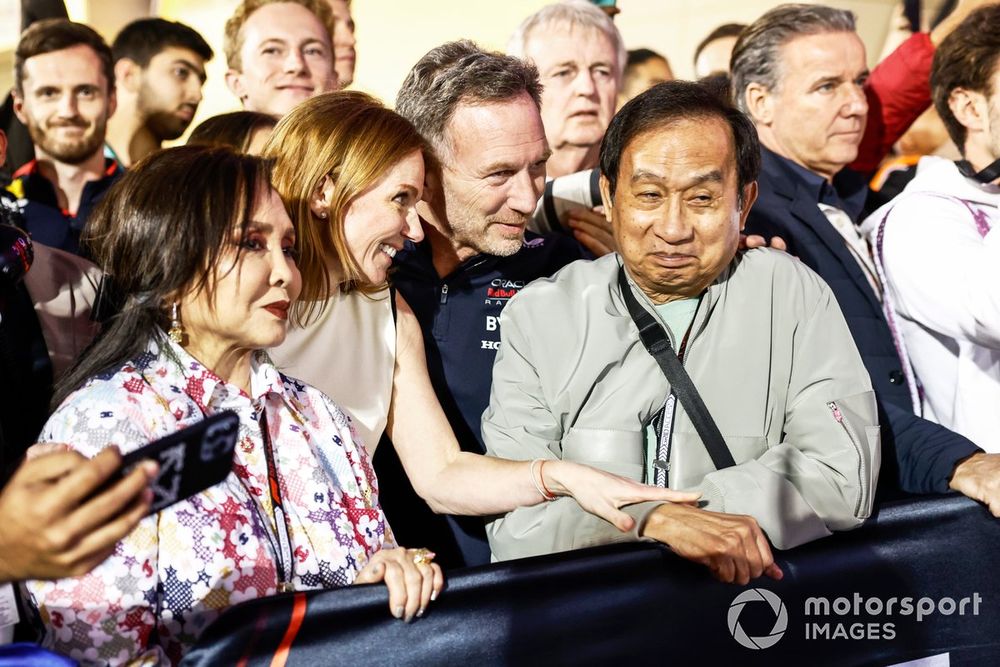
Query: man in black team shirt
x,y
480,113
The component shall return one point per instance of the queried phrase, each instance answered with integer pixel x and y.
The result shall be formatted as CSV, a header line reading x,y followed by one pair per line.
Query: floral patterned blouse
x,y
175,573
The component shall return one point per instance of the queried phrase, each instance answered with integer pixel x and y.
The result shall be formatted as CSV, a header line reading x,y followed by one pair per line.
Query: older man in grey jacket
x,y
760,335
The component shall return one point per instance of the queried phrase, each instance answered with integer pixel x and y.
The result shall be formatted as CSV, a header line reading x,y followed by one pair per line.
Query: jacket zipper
x,y
444,294
839,417
683,359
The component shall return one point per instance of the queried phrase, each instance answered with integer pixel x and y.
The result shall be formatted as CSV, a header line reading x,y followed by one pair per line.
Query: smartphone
x,y
190,460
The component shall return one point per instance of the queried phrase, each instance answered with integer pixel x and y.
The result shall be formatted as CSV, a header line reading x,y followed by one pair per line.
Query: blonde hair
x,y
233,42
354,139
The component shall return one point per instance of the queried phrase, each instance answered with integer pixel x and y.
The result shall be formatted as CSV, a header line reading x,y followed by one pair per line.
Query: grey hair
x,y
755,57
461,73
576,13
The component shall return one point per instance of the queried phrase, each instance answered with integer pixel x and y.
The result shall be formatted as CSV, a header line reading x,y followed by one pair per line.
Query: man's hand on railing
x,y
731,546
978,477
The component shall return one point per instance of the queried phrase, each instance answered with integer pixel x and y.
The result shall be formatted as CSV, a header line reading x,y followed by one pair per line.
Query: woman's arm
x,y
457,482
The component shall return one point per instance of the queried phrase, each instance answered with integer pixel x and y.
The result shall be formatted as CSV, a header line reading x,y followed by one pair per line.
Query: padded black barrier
x,y
642,604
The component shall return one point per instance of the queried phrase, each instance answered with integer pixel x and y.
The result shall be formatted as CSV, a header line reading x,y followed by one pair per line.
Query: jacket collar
x,y
805,190
709,298
847,192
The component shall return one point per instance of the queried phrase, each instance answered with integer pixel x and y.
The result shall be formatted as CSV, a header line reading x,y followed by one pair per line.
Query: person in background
x,y
209,278
159,74
609,7
935,248
245,131
344,53
279,53
64,93
800,74
580,58
19,147
644,68
711,58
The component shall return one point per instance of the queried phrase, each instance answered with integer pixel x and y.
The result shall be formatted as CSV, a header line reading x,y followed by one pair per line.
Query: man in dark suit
x,y
800,73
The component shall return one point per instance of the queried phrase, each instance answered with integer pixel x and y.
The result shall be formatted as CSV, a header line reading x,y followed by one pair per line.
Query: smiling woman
x,y
208,279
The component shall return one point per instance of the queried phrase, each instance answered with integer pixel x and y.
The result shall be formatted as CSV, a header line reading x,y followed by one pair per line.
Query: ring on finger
x,y
422,556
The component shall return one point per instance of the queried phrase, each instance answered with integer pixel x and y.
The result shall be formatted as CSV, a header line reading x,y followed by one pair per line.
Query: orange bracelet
x,y
542,490
548,495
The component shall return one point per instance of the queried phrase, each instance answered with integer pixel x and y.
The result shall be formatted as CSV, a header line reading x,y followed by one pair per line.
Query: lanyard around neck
x,y
283,550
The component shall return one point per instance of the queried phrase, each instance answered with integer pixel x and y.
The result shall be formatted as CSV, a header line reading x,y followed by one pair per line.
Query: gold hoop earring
x,y
176,332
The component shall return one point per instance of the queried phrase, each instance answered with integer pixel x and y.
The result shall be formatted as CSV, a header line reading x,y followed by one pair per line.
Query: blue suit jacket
x,y
786,206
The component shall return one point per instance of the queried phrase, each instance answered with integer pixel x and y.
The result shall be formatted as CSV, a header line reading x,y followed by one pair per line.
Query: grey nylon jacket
x,y
772,357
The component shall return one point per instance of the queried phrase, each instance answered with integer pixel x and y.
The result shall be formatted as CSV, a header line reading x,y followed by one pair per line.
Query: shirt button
x,y
896,377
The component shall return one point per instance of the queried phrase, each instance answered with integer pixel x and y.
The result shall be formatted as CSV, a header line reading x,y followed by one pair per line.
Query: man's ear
x,y
319,202
760,103
128,75
606,199
970,108
3,148
749,197
18,106
234,81
431,205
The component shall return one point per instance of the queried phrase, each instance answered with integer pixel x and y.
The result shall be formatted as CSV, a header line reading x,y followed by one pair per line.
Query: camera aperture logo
x,y
758,595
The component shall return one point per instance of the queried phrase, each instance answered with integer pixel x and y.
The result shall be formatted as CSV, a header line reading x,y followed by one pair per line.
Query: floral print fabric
x,y
180,568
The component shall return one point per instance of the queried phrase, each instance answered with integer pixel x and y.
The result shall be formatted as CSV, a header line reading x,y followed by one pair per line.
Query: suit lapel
x,y
805,209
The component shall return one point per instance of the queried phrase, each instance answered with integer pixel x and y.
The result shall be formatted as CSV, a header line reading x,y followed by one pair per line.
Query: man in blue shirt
x,y
479,111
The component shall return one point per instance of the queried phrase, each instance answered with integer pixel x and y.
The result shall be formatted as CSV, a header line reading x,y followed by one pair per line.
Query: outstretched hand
x,y
57,522
604,494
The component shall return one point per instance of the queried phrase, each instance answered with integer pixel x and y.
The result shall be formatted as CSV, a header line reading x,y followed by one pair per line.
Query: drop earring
x,y
176,332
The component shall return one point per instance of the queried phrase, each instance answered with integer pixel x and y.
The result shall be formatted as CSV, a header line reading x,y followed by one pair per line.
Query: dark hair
x,y
55,35
967,58
723,31
154,247
672,101
756,57
639,56
720,84
461,73
141,40
234,129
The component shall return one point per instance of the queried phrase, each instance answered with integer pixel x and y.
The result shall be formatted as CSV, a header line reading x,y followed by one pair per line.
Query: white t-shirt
x,y
348,353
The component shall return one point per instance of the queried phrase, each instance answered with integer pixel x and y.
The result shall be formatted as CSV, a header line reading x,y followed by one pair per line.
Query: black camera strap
x,y
654,338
